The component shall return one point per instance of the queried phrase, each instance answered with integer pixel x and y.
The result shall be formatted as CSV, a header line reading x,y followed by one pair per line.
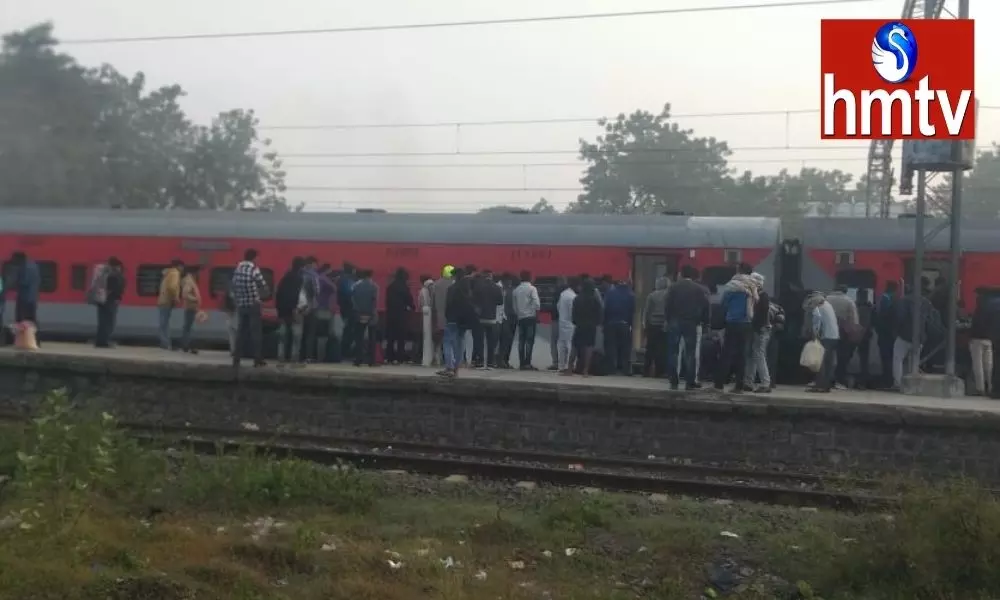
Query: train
x,y
859,253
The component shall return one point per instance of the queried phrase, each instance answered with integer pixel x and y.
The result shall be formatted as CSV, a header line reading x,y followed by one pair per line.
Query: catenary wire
x,y
558,164
631,151
460,152
540,121
469,23
322,188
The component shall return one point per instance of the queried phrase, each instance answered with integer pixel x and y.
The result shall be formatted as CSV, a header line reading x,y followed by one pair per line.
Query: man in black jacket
x,y
286,302
687,305
460,314
487,296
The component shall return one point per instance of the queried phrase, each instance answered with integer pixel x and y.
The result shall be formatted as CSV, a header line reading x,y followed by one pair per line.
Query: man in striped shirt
x,y
247,287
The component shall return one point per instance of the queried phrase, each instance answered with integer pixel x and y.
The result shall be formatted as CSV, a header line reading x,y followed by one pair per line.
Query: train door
x,y
935,269
646,268
858,282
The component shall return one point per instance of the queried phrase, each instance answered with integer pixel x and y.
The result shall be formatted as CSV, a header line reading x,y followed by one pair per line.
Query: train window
x,y
78,277
218,281
9,275
147,279
47,272
219,278
733,256
548,287
844,258
48,276
713,277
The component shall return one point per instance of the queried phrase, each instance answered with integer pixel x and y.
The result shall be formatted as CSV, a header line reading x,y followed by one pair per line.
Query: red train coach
x,y
866,253
67,244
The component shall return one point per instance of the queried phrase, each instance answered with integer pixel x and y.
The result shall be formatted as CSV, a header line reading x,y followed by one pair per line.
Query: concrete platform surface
x,y
845,398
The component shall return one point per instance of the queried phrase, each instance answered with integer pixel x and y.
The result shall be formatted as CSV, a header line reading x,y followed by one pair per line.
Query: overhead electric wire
x,y
540,121
448,24
461,152
559,164
334,188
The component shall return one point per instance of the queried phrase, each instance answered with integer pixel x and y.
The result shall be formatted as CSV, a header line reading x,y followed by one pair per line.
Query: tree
x,y
980,189
77,137
645,163
223,170
541,207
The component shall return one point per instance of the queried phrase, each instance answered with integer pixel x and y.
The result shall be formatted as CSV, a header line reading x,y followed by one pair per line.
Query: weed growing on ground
x,y
77,523
250,480
943,543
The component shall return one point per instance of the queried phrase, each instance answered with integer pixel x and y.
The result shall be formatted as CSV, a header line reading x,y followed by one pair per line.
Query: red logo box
x,y
942,84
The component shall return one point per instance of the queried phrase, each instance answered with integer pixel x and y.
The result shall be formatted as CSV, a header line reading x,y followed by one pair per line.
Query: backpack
x,y
97,293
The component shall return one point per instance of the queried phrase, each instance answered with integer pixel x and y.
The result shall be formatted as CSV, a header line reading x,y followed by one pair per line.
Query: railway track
x,y
571,470
618,474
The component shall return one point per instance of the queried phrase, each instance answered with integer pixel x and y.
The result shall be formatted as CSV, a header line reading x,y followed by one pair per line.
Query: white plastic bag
x,y
812,356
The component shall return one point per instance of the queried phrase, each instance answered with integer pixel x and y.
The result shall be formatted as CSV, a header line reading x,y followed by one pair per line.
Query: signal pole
x,y
956,238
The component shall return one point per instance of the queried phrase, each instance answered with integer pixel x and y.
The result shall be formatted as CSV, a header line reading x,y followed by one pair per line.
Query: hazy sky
x,y
765,59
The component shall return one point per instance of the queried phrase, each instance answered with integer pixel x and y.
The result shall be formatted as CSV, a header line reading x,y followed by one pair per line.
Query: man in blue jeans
x,y
687,308
459,317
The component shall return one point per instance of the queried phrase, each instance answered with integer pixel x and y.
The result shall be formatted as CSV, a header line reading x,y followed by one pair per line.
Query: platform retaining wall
x,y
703,426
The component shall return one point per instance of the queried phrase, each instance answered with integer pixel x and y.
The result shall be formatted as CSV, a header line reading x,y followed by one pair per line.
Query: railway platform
x,y
601,416
499,377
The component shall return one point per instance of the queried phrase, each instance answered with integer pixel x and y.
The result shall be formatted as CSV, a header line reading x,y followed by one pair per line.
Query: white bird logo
x,y
884,59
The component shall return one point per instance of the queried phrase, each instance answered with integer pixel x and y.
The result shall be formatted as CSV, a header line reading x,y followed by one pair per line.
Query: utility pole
x,y
956,238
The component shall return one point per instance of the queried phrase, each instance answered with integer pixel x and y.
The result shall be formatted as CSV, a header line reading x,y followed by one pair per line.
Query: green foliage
x,y
646,163
944,543
63,453
250,480
541,207
573,513
981,189
79,137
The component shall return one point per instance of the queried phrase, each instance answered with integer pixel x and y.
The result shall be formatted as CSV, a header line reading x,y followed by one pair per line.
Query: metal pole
x,y
956,239
918,267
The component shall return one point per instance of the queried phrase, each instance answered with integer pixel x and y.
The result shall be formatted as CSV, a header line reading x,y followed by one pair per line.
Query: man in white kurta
x,y
565,308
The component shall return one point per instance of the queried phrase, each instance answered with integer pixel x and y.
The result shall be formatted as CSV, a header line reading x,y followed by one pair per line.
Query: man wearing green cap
x,y
439,295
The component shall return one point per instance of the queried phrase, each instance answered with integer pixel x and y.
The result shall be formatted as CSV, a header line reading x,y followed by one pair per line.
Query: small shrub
x,y
578,513
943,543
250,480
65,448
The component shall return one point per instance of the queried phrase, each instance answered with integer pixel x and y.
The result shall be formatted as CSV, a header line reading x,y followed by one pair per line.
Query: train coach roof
x,y
896,234
650,231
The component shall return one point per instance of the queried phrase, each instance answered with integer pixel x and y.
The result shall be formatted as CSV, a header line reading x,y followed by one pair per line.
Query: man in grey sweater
x,y
654,317
439,296
365,297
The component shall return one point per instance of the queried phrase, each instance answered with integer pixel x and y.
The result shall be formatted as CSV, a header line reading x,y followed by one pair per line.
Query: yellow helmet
x,y
448,271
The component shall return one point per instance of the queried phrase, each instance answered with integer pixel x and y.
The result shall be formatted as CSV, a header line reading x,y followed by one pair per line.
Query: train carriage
x,y
66,244
866,253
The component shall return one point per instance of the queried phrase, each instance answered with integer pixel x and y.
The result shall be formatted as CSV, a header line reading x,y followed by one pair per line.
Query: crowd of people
x,y
469,317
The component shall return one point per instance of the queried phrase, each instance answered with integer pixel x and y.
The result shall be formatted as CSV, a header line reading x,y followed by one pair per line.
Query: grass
x,y
90,515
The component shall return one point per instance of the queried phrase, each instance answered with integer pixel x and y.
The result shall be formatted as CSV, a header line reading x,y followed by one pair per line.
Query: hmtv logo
x,y
877,85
